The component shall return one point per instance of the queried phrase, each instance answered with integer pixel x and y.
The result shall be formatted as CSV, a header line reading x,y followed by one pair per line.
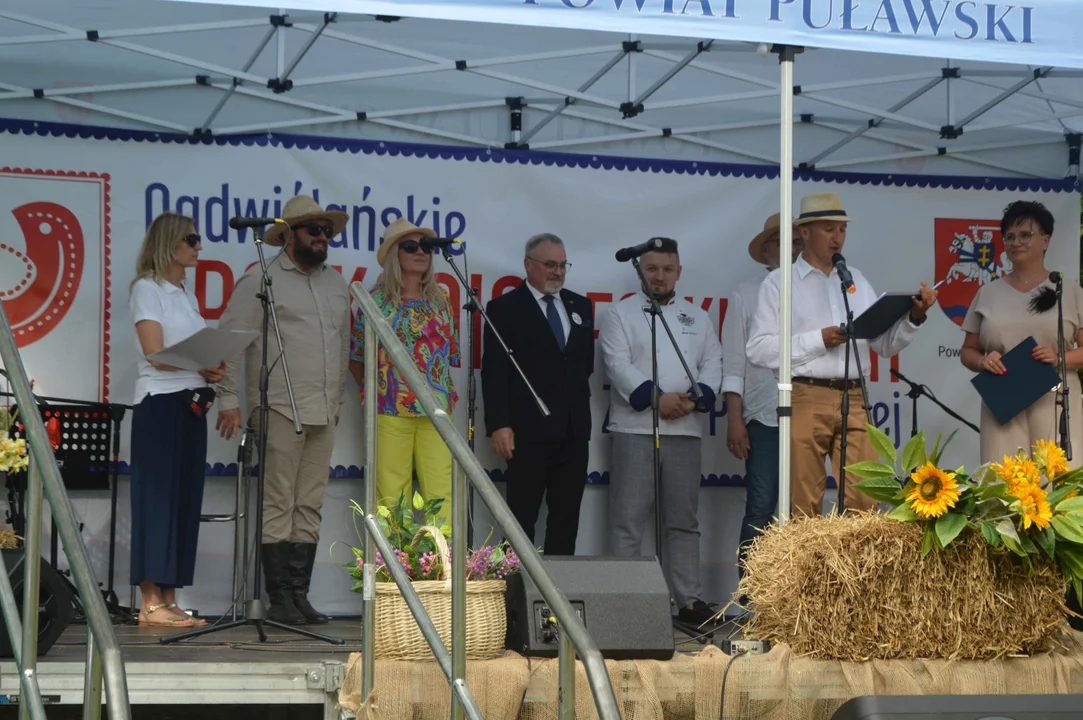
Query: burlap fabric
x,y
776,686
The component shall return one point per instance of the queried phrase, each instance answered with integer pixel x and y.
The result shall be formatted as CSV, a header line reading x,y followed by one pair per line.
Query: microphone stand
x,y
496,333
1062,364
917,390
255,613
851,340
655,311
471,307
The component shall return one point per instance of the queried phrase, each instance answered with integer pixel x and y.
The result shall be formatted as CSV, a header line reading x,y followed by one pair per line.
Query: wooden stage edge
x,y
233,668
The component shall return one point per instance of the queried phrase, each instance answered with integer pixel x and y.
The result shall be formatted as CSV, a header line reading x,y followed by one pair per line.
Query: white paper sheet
x,y
206,349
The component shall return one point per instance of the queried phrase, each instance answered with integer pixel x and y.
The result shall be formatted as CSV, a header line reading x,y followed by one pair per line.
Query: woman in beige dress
x,y
1019,305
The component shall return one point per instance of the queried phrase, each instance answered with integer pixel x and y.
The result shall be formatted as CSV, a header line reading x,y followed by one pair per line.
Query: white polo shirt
x,y
177,313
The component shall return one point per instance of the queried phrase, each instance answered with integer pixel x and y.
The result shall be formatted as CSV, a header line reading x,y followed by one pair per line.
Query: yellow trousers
x,y
404,444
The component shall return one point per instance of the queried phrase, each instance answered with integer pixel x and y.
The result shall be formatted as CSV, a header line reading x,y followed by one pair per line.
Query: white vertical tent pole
x,y
785,275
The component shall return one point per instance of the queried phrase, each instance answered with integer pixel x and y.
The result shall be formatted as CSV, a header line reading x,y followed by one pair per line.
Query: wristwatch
x,y
920,321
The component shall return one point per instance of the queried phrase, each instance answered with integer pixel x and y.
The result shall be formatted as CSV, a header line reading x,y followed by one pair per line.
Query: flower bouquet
x,y
13,453
422,550
1028,504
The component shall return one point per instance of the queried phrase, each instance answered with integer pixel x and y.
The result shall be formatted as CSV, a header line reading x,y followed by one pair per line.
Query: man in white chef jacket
x,y
626,349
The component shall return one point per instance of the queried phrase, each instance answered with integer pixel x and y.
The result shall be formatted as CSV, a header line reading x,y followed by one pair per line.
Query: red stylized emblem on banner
x,y
969,254
46,277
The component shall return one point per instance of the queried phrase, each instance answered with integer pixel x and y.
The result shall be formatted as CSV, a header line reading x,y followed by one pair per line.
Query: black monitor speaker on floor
x,y
55,606
623,601
961,707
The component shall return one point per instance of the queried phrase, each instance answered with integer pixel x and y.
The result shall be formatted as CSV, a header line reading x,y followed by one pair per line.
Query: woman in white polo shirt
x,y
169,438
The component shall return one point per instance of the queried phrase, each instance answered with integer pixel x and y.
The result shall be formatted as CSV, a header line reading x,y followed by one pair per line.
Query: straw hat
x,y
771,229
395,232
300,210
821,206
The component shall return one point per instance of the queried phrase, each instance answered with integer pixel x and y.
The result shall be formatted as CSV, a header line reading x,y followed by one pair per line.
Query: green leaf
x,y
1072,476
1007,529
1013,545
989,530
927,540
1027,545
904,513
938,451
881,443
914,453
880,489
1069,505
1060,493
1067,529
948,527
1047,540
870,469
1077,585
984,475
996,490
1072,559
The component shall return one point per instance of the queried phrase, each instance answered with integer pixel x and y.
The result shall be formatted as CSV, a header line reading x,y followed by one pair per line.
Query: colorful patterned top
x,y
429,335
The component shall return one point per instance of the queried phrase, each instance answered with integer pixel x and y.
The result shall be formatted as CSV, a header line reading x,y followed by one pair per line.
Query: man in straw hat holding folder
x,y
818,353
312,303
751,391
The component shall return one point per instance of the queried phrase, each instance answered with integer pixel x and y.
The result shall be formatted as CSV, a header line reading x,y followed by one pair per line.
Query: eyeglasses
x,y
412,246
317,230
552,265
1023,238
193,240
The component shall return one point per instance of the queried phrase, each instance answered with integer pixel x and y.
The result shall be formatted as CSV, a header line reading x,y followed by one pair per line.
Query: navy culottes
x,y
169,454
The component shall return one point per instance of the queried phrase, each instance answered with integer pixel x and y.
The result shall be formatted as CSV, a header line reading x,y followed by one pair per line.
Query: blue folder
x,y
1024,383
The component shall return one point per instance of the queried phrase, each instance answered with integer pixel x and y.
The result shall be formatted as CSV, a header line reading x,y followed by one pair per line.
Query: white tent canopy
x,y
186,67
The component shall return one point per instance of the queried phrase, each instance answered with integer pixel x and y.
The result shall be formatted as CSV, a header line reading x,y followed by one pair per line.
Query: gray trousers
x,y
631,505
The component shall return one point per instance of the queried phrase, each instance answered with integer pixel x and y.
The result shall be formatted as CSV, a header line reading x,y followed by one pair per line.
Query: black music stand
x,y
89,458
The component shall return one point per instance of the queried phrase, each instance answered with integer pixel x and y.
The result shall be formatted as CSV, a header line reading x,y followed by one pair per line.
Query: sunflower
x,y
1019,472
935,491
1035,510
1050,458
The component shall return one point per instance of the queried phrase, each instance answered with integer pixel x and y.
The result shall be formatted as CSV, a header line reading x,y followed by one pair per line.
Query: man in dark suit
x,y
550,331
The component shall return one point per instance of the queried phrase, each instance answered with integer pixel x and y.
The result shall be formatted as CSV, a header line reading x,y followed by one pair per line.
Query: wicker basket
x,y
397,634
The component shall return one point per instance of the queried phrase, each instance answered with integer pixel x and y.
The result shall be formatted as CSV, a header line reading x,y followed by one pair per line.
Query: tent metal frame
x,y
621,115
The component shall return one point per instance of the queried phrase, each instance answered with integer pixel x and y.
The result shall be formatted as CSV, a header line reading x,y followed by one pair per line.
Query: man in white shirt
x,y
818,353
751,393
626,347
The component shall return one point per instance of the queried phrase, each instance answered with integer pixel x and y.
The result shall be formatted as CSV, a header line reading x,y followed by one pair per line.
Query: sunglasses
x,y
317,230
192,240
412,246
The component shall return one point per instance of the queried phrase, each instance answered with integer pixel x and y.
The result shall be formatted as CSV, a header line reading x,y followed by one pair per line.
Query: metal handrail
x,y
103,651
569,622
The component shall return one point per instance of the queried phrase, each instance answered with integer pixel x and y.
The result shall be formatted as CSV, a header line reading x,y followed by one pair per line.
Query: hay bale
x,y
8,539
856,588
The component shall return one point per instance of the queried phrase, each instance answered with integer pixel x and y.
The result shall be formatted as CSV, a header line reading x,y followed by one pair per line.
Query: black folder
x,y
882,314
1024,383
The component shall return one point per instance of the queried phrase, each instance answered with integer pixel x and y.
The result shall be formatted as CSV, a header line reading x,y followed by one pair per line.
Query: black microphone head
x,y
1054,277
837,258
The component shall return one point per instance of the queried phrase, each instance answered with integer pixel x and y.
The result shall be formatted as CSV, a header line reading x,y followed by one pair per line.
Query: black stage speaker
x,y
55,606
623,601
961,707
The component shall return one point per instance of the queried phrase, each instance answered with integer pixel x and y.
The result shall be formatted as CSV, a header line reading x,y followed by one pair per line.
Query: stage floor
x,y
230,667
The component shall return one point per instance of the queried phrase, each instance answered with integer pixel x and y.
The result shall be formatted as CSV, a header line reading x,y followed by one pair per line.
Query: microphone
x,y
239,223
630,253
1055,277
439,243
844,273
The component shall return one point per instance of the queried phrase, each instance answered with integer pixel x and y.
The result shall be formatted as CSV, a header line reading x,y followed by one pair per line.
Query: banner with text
x,y
1038,32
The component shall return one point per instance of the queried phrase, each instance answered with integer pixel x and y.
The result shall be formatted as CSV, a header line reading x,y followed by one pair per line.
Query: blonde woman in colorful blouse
x,y
421,315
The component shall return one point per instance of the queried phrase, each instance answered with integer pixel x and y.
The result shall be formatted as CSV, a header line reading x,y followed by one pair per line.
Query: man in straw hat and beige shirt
x,y
751,391
312,303
818,353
